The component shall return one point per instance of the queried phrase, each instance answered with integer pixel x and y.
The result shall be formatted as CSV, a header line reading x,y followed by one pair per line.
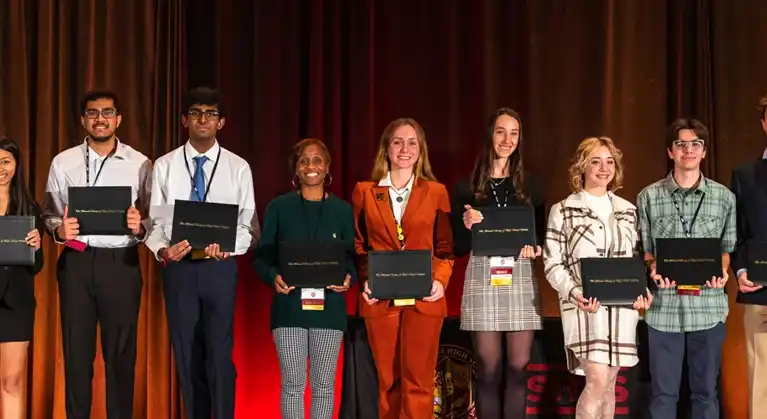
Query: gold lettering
x,y
99,211
503,230
614,281
313,263
201,225
387,275
689,260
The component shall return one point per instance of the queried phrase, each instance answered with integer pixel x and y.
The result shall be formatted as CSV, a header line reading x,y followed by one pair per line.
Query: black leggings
x,y
488,351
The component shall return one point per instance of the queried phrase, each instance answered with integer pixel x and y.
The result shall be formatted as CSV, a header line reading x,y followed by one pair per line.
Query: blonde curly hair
x,y
580,161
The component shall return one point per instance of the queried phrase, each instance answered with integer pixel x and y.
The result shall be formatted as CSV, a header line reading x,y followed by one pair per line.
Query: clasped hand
x,y
437,292
281,287
70,227
714,282
592,305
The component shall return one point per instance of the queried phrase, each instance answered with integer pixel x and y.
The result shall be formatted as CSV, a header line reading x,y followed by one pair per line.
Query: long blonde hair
x,y
422,169
577,169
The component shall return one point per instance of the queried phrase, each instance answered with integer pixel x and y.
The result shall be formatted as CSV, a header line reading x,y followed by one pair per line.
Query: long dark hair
x,y
483,167
21,202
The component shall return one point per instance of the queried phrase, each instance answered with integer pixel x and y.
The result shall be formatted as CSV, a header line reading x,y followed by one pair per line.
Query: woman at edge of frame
x,y
17,286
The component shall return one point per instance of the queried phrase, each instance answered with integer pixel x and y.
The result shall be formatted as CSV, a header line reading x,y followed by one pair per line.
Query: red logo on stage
x,y
553,390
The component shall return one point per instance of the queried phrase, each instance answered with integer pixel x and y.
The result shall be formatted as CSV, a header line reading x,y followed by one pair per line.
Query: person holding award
x,y
307,322
404,209
17,287
691,211
200,280
593,222
492,309
97,196
747,184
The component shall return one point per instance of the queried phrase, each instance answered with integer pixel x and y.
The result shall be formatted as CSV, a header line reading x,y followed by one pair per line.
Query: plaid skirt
x,y
488,308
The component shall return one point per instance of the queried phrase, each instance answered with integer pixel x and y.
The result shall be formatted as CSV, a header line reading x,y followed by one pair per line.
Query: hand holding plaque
x,y
718,282
133,220
367,294
281,287
642,302
344,287
69,228
437,292
590,305
33,239
176,252
746,286
471,216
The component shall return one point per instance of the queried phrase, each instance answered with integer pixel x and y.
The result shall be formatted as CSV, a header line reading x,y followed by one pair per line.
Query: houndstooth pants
x,y
321,347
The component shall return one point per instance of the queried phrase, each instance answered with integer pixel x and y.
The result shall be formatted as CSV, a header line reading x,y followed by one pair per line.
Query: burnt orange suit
x,y
404,340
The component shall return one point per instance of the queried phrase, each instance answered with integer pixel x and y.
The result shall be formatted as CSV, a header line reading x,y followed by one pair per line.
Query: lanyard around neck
x,y
688,228
88,163
213,173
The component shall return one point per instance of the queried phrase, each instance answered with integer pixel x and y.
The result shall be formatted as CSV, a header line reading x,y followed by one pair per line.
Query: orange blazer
x,y
426,224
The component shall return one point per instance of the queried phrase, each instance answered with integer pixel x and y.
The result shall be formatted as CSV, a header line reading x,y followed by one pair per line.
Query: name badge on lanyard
x,y
501,271
313,299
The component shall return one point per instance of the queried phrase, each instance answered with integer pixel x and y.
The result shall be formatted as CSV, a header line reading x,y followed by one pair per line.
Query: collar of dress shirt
x,y
764,155
387,182
211,154
119,151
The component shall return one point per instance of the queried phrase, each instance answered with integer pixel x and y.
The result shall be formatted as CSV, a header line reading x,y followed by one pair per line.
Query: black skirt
x,y
16,324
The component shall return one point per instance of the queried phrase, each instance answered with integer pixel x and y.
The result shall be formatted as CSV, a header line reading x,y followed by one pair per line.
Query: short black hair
x,y
202,96
700,130
99,94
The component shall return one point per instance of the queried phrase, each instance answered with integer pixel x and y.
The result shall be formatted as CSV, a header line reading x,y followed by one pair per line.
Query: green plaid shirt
x,y
658,218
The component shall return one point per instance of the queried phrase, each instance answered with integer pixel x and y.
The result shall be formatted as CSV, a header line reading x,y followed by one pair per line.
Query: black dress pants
x,y
99,286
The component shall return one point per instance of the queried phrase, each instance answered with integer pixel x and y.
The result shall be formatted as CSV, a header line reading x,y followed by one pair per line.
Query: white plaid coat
x,y
574,231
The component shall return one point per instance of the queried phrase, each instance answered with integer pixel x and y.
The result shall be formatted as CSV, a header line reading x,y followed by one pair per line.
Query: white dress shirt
x,y
127,167
232,184
398,207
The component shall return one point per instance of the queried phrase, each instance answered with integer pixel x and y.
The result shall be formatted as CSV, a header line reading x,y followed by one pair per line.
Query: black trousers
x,y
199,302
99,286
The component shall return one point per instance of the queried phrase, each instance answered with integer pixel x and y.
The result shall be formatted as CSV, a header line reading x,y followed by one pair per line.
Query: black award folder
x,y
14,250
688,261
205,223
757,262
100,210
399,274
504,231
613,281
312,264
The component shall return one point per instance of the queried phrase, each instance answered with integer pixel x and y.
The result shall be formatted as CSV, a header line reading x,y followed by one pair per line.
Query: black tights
x,y
488,352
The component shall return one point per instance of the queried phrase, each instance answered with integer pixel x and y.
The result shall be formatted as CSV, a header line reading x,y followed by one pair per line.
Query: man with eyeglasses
x,y
99,277
200,290
748,185
685,320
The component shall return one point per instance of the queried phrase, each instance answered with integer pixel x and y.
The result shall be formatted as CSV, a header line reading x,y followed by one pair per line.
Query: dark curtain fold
x,y
340,70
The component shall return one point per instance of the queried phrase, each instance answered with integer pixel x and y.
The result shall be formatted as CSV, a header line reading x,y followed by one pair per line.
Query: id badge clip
x,y
501,270
313,299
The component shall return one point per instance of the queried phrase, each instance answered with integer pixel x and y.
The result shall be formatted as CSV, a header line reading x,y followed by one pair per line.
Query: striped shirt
x,y
659,218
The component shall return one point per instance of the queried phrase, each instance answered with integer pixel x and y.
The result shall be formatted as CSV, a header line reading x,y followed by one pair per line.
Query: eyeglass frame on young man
x,y
197,114
94,113
696,144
